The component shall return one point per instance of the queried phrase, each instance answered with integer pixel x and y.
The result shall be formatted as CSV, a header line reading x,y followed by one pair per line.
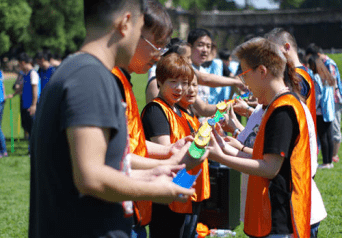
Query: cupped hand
x,y
169,191
230,122
240,107
168,170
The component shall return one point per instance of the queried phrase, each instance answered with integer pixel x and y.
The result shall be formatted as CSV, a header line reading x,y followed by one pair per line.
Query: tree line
x,y
57,25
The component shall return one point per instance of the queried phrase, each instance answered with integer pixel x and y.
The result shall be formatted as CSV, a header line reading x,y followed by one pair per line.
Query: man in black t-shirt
x,y
80,162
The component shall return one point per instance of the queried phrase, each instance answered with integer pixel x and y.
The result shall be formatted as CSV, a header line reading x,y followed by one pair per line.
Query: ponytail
x,y
290,77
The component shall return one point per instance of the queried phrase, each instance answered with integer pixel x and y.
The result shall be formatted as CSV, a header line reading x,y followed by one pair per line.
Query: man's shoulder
x,y
82,66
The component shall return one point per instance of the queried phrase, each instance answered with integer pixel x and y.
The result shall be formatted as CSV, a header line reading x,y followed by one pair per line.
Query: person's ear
x,y
263,70
124,23
287,46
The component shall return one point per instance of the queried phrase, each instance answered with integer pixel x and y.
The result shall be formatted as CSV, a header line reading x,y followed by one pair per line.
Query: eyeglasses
x,y
241,75
161,51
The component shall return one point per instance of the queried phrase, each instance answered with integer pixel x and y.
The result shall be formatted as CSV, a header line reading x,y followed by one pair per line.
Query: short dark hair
x,y
196,34
224,54
301,55
99,12
157,21
176,45
280,36
312,49
43,55
24,57
56,56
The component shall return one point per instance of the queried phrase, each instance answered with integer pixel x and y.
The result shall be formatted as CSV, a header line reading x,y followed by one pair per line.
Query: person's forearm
x,y
204,109
138,162
246,165
34,95
213,80
114,186
157,151
18,90
3,88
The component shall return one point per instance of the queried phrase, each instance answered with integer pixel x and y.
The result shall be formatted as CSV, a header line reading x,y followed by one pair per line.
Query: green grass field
x,y
15,175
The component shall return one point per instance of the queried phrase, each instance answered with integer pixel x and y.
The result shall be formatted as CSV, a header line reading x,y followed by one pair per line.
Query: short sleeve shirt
x,y
155,122
82,92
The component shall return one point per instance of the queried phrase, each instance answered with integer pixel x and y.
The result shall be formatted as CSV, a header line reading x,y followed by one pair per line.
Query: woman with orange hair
x,y
164,124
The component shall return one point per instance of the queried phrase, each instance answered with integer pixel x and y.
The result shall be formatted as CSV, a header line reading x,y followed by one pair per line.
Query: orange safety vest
x,y
311,95
202,186
257,221
137,141
178,129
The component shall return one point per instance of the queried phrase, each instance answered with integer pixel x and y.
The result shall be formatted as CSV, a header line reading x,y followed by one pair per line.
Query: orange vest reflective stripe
x,y
178,129
202,186
311,96
135,129
257,221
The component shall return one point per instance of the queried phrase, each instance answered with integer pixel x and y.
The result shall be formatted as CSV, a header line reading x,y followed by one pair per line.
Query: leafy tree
x,y
336,4
291,4
14,20
206,5
56,25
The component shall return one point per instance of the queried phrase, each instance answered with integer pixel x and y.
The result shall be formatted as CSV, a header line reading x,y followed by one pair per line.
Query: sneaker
x,y
335,158
325,166
5,154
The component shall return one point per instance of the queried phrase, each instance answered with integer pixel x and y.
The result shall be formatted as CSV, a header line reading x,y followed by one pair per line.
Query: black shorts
x,y
26,120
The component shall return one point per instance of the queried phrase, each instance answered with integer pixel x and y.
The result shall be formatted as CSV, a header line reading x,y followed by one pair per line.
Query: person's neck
x,y
99,49
184,106
27,69
170,104
196,64
276,88
127,69
46,65
295,59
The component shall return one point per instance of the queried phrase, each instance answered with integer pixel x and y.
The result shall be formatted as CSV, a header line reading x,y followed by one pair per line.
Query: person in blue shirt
x,y
45,68
30,91
325,105
3,150
334,71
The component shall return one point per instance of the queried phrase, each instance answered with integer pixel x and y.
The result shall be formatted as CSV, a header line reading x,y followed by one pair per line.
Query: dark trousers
x,y
324,130
166,223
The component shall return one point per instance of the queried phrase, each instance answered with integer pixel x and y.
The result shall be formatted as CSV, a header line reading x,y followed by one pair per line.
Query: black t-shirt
x,y
281,132
82,92
155,122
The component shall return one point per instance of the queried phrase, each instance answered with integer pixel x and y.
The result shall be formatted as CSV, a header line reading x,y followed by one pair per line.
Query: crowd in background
x,y
294,98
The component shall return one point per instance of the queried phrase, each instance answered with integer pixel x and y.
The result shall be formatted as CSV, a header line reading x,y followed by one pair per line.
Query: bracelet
x,y
235,133
243,148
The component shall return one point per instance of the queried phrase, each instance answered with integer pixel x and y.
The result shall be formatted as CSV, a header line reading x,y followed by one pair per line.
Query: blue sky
x,y
258,4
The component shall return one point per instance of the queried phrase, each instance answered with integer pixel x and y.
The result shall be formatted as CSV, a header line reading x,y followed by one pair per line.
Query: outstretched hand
x,y
240,107
230,122
222,144
177,146
169,191
168,170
